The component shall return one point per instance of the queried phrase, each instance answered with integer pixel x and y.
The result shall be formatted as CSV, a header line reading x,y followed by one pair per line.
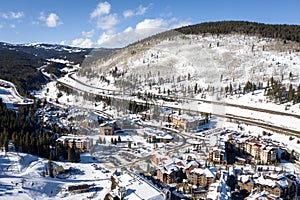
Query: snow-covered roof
x,y
72,138
264,180
137,188
106,124
206,172
191,163
169,168
187,117
165,136
261,195
245,178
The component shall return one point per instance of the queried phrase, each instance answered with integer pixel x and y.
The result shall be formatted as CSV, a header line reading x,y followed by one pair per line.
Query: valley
x,y
183,115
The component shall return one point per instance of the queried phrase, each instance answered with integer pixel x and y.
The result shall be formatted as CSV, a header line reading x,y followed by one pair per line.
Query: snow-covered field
x,y
21,177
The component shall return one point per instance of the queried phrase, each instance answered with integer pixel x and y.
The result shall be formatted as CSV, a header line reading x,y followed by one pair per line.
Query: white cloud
x,y
4,15
107,22
1,26
12,26
104,20
129,29
12,15
16,15
103,8
53,20
128,13
152,24
85,41
104,38
82,42
88,34
143,29
139,11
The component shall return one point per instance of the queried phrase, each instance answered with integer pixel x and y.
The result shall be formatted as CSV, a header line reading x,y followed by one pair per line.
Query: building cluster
x,y
274,183
176,119
81,143
193,179
159,137
237,166
236,147
182,120
108,128
189,171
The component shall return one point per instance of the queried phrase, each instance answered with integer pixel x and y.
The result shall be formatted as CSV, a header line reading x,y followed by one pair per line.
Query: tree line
x,y
277,31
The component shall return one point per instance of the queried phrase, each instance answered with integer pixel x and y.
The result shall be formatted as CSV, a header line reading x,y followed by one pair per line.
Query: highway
x,y
236,117
176,98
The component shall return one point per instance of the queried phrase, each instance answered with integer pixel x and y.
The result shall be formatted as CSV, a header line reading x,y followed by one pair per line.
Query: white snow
x,y
19,167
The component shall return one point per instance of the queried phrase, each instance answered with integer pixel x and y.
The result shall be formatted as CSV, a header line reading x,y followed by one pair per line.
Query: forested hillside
x,y
285,32
19,63
20,68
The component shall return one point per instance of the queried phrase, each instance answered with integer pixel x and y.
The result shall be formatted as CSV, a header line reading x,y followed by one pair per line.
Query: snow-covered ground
x,y
10,95
237,58
21,177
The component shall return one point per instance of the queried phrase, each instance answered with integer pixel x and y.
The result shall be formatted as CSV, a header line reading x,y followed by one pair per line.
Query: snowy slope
x,y
21,177
238,58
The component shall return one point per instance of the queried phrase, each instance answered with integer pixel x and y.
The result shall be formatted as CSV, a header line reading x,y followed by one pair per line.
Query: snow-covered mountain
x,y
174,58
48,51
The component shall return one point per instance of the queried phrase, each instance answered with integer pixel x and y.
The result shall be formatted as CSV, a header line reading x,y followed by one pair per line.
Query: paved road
x,y
249,121
176,98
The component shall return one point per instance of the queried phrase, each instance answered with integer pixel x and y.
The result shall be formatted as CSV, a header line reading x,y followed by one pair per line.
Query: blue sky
x,y
116,23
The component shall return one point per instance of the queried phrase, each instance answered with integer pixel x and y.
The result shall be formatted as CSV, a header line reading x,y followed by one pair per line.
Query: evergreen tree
x,y
72,153
290,93
50,166
1,139
272,81
230,88
297,96
5,140
291,76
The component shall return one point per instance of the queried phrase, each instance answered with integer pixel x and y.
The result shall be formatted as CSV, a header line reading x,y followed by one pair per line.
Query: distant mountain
x,y
19,62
